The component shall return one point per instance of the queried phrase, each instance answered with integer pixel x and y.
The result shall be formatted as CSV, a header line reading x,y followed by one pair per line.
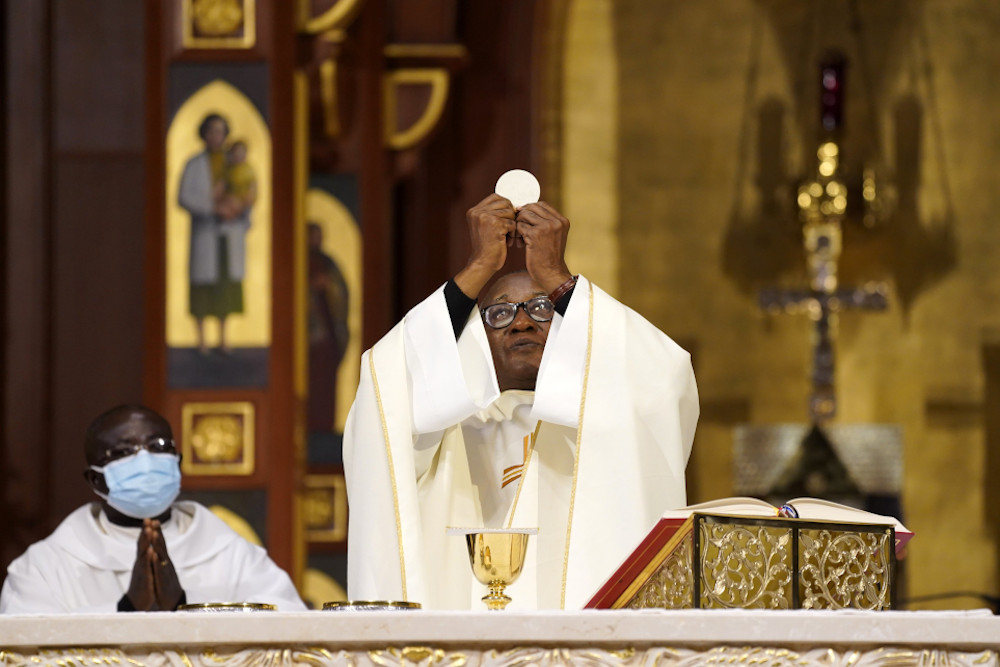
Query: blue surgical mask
x,y
142,485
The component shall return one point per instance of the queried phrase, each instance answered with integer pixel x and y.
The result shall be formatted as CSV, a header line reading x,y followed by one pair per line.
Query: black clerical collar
x,y
119,519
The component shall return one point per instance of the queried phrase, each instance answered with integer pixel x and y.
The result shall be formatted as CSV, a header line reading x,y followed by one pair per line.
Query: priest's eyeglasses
x,y
500,315
153,446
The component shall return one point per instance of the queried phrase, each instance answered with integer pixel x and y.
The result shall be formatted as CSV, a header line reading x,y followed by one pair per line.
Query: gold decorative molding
x,y
218,24
337,17
334,36
437,79
62,657
320,656
328,94
217,438
449,51
324,508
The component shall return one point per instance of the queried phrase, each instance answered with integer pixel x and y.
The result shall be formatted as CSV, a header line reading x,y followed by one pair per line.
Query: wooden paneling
x,y
26,266
4,520
282,443
991,414
97,306
72,256
377,257
98,76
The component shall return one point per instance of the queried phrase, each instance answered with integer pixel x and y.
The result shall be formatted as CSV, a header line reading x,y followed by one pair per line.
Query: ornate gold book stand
x,y
714,561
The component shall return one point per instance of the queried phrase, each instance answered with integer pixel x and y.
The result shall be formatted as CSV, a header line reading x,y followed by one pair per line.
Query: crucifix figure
x,y
822,203
853,464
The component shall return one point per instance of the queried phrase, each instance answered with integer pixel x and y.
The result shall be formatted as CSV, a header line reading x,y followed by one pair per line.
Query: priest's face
x,y
517,348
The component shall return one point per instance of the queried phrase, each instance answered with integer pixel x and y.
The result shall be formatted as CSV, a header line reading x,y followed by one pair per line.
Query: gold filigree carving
x,y
70,657
218,438
750,564
218,24
842,570
747,567
565,656
425,655
672,584
297,656
217,18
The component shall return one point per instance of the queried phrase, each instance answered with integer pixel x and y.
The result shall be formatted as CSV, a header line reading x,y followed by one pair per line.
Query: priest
x,y
137,549
550,406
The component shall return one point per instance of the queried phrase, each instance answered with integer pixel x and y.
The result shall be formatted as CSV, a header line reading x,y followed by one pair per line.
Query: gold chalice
x,y
497,558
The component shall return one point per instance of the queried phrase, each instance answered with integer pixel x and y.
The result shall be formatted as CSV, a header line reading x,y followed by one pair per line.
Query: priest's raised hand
x,y
492,230
495,226
544,232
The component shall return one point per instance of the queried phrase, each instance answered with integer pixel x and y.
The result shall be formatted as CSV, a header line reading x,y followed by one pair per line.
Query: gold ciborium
x,y
497,557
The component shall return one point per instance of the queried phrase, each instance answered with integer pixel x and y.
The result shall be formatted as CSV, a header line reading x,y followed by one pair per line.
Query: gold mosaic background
x,y
672,133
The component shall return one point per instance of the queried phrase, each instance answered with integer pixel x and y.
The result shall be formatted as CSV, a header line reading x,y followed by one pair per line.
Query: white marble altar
x,y
644,637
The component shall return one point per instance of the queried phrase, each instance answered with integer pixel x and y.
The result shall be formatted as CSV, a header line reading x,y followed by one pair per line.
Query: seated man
x,y
553,407
137,549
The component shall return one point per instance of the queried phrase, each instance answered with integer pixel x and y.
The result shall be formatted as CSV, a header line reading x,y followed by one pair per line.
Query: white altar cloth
x,y
665,637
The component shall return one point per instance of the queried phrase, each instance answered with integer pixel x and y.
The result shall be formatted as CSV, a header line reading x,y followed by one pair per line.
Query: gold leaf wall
x,y
713,115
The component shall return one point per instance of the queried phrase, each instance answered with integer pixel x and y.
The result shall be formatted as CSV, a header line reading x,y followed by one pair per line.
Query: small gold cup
x,y
497,558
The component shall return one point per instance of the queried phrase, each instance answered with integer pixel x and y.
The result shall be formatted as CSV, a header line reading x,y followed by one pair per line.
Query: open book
x,y
808,509
813,509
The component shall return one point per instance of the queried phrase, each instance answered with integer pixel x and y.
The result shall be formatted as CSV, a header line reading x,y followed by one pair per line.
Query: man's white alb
x,y
85,565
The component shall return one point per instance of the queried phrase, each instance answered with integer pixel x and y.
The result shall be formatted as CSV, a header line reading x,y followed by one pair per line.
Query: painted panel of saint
x,y
218,241
334,316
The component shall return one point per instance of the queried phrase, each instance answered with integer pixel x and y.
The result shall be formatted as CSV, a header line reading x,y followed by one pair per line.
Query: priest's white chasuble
x,y
591,458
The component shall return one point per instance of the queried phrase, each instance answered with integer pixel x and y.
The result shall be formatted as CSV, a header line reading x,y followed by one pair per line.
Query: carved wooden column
x,y
25,456
373,105
221,256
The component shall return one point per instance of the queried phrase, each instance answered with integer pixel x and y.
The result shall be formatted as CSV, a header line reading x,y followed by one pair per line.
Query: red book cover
x,y
633,566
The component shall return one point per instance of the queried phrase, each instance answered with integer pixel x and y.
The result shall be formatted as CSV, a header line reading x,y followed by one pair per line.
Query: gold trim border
x,y
444,51
243,468
328,93
579,441
654,564
392,473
